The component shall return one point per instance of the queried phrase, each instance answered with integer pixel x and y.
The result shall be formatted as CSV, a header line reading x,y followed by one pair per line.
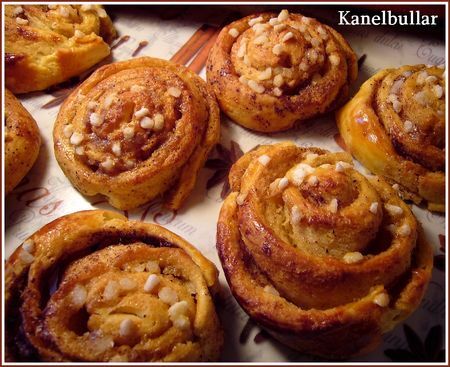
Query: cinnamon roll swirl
x,y
269,71
22,141
93,286
135,130
48,44
395,126
324,258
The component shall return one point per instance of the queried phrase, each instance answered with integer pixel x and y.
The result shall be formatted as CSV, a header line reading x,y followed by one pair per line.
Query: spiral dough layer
x,y
395,126
93,286
324,258
135,130
270,71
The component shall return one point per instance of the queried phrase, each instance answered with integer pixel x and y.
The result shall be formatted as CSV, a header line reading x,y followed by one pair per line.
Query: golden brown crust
x,y
102,263
44,46
147,126
328,260
277,72
395,126
22,141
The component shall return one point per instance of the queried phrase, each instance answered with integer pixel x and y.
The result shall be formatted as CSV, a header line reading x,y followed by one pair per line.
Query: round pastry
x,y
93,286
324,258
395,126
270,71
48,44
22,141
135,130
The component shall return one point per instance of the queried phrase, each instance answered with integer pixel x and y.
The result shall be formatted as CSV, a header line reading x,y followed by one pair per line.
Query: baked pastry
x,y
93,286
270,71
135,130
324,258
48,44
22,141
395,126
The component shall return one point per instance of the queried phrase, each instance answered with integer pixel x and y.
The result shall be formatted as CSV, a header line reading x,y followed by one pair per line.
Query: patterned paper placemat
x,y
46,194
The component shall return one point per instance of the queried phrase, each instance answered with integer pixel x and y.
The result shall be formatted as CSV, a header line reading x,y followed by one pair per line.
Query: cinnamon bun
x,y
22,141
324,258
269,71
395,126
135,130
93,286
49,44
